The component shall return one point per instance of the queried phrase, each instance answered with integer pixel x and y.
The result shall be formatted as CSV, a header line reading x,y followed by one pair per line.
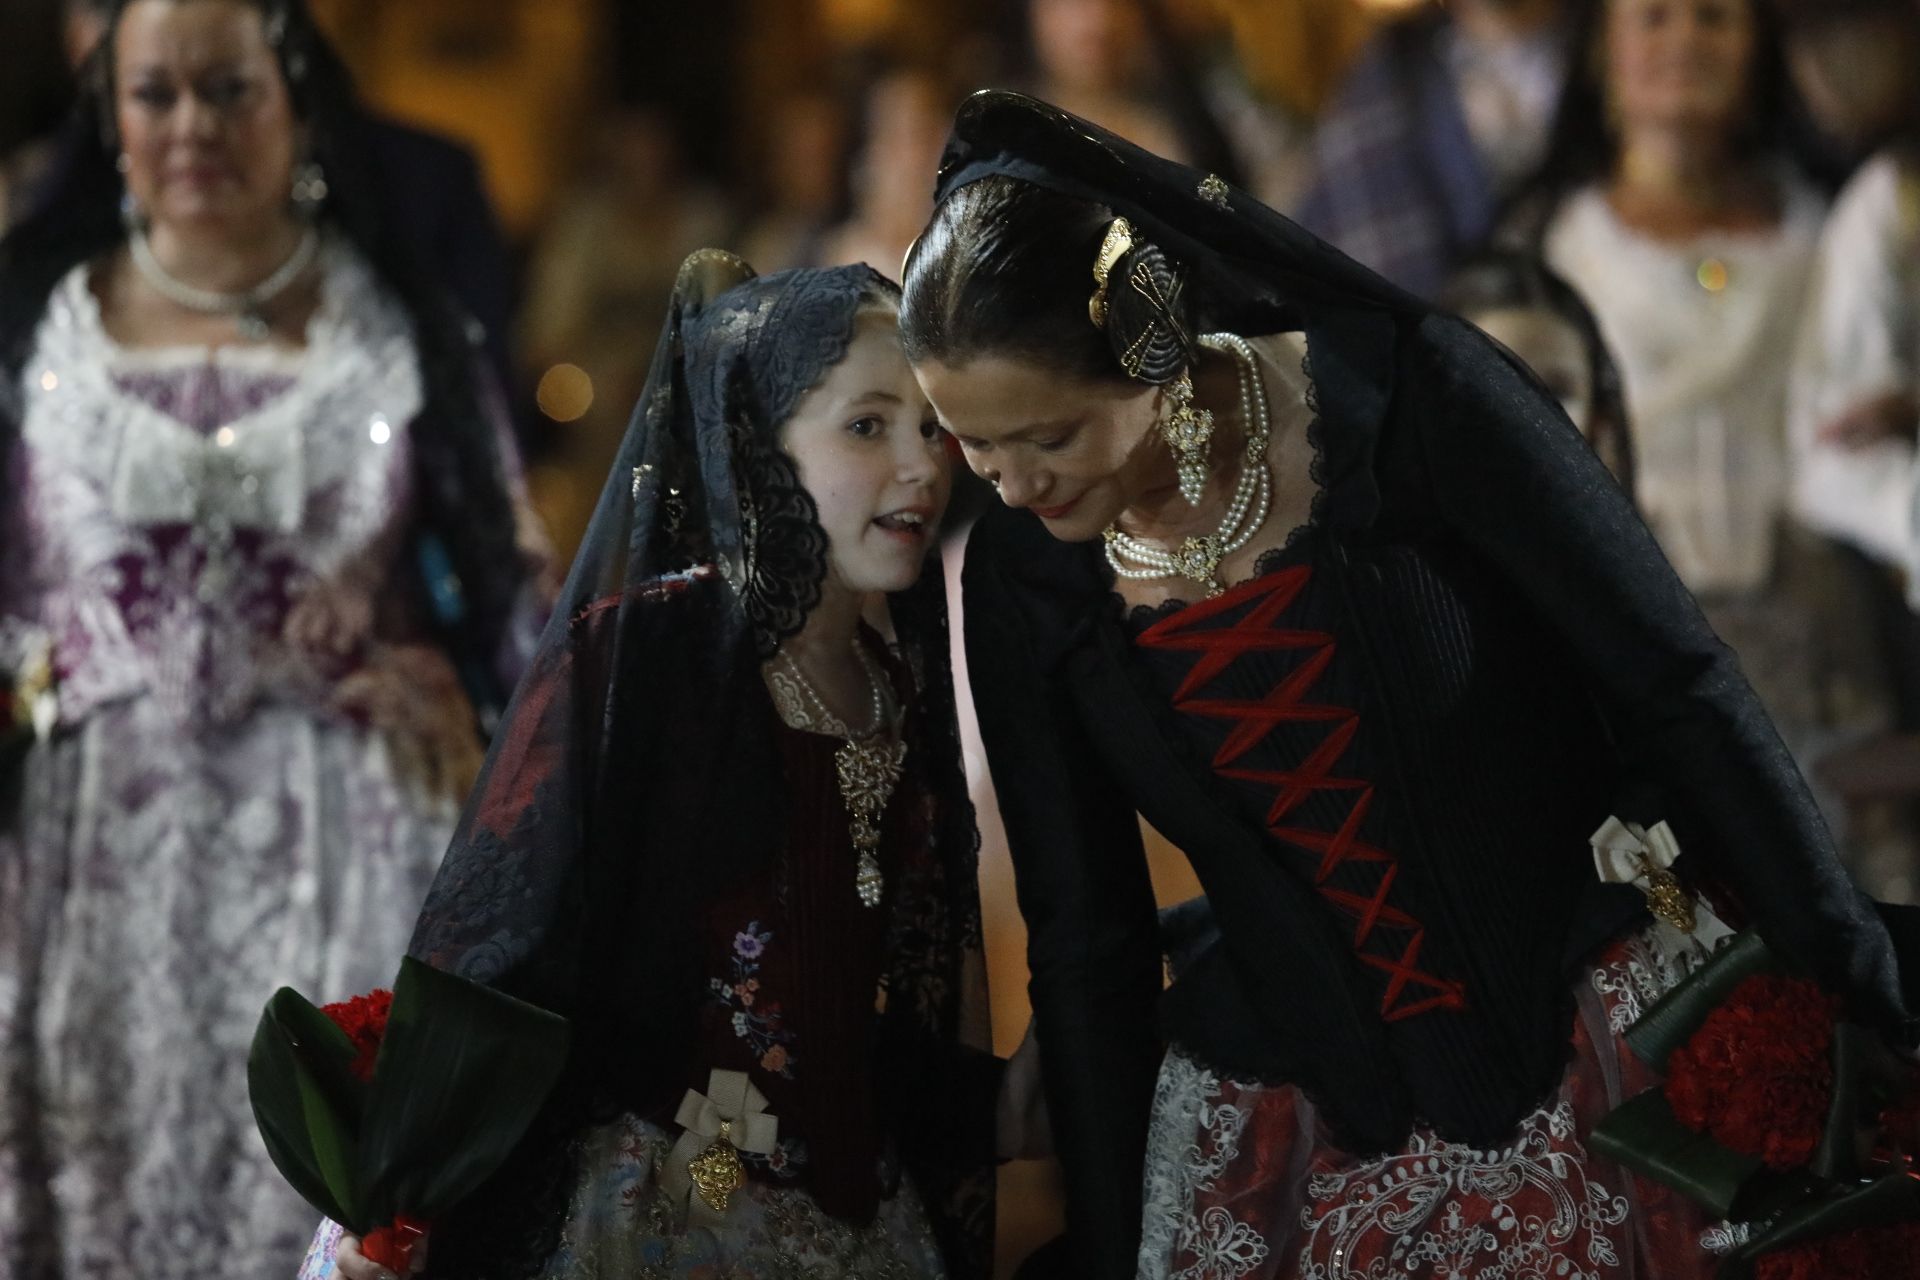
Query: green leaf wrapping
x,y
1644,1136
463,1070
307,1103
1892,1199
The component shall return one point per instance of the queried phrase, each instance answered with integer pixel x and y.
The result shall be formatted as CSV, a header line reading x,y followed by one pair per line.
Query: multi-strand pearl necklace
x,y
1198,558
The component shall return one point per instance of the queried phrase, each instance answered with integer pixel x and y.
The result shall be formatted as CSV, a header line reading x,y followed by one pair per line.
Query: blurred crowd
x,y
1698,220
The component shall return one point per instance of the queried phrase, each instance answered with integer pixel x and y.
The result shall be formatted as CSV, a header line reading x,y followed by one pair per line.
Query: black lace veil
x,y
636,774
1260,272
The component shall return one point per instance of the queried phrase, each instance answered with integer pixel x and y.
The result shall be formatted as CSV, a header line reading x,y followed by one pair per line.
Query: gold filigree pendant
x,y
1198,560
717,1172
868,771
1667,899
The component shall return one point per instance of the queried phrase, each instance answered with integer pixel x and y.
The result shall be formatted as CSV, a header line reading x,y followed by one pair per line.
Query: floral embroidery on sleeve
x,y
758,1022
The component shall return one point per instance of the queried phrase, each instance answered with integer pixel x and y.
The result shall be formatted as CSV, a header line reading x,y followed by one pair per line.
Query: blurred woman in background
x,y
1671,200
261,510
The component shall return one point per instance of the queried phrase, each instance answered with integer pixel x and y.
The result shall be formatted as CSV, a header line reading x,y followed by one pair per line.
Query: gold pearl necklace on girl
x,y
1198,558
868,764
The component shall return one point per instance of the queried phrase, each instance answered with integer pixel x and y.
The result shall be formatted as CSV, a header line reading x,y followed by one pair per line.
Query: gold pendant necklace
x,y
868,766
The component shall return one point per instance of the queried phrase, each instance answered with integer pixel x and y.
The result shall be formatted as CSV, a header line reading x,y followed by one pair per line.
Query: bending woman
x,y
1327,589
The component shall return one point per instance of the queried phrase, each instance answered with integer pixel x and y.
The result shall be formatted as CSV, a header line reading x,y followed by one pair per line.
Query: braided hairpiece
x,y
1141,316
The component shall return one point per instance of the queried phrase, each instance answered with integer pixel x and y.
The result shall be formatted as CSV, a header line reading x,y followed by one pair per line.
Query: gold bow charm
x,y
1627,853
704,1167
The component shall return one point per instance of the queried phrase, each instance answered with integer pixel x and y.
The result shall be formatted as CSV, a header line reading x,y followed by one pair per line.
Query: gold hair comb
x,y
1119,239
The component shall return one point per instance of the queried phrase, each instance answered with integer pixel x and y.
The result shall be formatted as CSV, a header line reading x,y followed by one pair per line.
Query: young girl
x,y
724,829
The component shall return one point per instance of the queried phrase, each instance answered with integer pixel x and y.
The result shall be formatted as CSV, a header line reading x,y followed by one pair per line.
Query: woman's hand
x,y
330,619
411,693
350,1264
1021,1128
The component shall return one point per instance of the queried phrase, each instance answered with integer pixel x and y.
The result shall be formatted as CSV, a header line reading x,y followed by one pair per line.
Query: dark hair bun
x,y
1145,299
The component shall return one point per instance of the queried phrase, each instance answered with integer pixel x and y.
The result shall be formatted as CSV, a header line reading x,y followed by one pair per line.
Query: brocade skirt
x,y
1243,1179
622,1225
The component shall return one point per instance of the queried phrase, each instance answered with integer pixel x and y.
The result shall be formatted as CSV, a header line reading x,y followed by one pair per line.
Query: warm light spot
x,y
565,393
378,430
224,437
49,381
1713,275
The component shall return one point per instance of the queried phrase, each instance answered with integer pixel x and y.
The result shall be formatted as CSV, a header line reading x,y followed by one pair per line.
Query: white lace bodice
x,y
174,502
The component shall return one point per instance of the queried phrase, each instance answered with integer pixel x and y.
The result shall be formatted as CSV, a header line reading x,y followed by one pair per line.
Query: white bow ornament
x,y
704,1167
1628,853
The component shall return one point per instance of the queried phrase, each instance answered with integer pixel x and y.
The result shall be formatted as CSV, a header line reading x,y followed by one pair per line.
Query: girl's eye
x,y
155,97
1054,445
866,428
930,429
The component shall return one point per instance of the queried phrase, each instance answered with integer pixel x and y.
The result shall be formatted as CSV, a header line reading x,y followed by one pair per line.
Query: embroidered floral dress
x,y
796,966
202,827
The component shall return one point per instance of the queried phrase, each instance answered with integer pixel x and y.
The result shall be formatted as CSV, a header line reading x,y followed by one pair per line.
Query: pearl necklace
x,y
868,766
825,720
1198,558
246,306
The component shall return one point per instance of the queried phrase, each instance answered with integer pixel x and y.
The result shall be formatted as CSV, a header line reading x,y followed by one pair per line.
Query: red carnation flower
x,y
364,1019
1757,1075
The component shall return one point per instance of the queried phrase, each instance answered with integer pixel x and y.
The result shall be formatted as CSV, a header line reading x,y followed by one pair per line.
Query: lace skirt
x,y
1243,1181
622,1226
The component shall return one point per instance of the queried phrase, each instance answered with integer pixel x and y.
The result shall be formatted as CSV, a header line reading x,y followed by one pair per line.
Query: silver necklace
x,y
246,306
1198,558
868,766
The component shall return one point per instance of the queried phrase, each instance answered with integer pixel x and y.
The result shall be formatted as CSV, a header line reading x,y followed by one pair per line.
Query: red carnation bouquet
x,y
1777,1114
1758,1074
386,1110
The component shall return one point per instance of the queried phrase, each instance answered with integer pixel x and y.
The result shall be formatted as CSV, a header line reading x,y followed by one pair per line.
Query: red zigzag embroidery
x,y
1410,990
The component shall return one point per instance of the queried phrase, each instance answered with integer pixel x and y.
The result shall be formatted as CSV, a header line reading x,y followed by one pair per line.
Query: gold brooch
x,y
1666,899
1213,189
717,1172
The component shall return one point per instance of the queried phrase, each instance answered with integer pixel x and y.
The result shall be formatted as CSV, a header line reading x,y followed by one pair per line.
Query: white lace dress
x,y
201,828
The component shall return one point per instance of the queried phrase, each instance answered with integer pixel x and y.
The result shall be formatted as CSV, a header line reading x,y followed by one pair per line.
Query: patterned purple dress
x,y
202,827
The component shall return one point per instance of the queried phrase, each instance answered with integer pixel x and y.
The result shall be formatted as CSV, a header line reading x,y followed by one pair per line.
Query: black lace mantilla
x,y
751,354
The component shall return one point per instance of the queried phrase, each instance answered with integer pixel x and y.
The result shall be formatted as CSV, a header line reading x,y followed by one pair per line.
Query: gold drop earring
x,y
1188,432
